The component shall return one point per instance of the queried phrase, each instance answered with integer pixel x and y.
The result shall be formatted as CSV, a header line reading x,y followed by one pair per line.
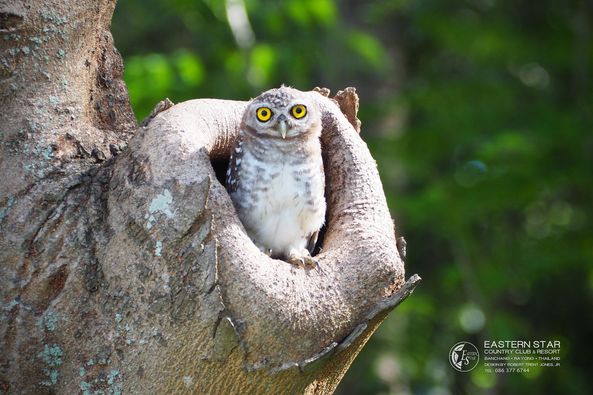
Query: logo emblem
x,y
464,356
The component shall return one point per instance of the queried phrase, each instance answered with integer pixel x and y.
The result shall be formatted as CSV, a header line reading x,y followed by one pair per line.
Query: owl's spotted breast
x,y
280,203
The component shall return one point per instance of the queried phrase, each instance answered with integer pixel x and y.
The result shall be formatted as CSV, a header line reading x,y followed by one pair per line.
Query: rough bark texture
x,y
123,264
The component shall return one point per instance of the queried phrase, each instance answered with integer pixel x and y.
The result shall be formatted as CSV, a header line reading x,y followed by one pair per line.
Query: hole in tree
x,y
220,166
9,21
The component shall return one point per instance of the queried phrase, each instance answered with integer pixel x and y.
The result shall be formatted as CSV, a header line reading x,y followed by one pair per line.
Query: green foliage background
x,y
479,113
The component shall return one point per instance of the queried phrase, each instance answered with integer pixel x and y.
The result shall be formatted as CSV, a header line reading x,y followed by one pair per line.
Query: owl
x,y
275,176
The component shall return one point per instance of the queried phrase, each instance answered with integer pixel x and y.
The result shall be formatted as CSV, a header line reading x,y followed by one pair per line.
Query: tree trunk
x,y
123,264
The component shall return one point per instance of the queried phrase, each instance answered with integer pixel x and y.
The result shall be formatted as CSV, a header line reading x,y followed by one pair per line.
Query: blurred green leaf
x,y
262,63
367,47
190,68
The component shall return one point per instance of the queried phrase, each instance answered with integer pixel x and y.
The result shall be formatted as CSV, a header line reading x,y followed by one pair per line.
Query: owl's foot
x,y
304,260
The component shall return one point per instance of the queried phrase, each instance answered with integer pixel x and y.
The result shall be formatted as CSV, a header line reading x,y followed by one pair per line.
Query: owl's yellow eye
x,y
298,111
263,114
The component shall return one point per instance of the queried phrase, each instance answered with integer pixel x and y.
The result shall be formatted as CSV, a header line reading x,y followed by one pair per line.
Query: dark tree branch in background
x,y
124,266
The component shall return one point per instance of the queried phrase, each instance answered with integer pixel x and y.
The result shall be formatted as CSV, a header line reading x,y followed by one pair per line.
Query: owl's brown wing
x,y
232,173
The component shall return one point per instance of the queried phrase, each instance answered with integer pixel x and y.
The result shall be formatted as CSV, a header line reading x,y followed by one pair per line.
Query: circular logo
x,y
464,356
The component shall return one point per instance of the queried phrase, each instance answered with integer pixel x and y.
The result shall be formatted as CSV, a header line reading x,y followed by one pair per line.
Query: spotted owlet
x,y
275,176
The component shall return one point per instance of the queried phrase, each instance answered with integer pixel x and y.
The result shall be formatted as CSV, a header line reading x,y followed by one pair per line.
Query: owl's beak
x,y
283,130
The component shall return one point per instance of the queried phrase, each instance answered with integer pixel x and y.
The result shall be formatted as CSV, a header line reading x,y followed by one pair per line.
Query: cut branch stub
x,y
266,312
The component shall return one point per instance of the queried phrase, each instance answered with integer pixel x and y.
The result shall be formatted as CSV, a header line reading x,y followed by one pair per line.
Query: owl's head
x,y
283,113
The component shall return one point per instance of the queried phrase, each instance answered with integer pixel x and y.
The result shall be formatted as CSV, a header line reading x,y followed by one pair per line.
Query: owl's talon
x,y
298,262
311,262
304,262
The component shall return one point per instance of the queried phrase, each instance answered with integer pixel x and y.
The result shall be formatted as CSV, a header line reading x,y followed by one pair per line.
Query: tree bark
x,y
123,264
